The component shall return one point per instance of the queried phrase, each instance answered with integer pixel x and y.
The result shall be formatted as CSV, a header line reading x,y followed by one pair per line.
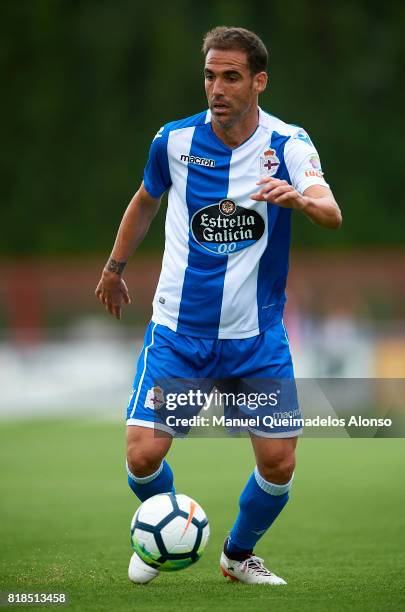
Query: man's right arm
x,y
112,290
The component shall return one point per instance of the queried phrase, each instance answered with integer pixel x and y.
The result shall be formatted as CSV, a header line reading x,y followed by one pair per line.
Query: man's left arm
x,y
317,202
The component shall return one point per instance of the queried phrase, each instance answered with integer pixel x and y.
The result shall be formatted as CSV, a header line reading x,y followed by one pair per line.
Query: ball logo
x,y
226,228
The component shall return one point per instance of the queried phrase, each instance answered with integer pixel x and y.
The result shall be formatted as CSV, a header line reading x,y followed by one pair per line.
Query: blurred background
x,y
86,85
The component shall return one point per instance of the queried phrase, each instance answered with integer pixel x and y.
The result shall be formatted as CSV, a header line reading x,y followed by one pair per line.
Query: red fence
x,y
38,293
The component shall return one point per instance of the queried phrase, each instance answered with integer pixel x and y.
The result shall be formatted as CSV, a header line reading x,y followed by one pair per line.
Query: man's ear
x,y
260,81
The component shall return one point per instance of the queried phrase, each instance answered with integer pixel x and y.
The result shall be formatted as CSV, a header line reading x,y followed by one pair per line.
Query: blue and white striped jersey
x,y
225,262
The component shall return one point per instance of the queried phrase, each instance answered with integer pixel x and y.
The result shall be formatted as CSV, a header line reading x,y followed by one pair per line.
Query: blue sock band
x,y
259,505
160,481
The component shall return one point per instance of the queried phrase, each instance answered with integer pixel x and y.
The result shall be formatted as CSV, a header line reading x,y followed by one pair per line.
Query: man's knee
x,y
142,462
145,452
278,473
275,458
278,468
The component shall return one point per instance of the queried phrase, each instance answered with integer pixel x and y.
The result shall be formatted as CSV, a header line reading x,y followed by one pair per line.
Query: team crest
x,y
269,163
227,207
155,398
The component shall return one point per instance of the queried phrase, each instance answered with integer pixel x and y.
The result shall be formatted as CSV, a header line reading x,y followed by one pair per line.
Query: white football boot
x,y
139,571
249,571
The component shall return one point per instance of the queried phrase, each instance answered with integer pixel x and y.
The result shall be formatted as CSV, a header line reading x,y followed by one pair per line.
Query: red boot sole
x,y
226,575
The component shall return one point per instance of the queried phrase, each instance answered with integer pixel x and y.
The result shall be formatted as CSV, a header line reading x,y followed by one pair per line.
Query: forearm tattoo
x,y
115,266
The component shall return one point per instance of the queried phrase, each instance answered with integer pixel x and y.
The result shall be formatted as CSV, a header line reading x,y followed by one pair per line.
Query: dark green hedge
x,y
86,84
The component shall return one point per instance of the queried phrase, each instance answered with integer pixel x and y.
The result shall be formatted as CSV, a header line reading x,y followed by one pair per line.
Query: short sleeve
x,y
303,163
156,176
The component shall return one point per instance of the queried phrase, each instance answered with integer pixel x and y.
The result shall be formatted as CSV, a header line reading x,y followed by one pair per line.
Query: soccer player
x,y
234,174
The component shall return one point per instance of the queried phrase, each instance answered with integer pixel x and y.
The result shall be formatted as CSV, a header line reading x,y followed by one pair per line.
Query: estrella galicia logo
x,y
226,228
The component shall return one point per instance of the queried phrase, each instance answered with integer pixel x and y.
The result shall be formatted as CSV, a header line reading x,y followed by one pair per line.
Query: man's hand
x,y
317,202
112,292
280,193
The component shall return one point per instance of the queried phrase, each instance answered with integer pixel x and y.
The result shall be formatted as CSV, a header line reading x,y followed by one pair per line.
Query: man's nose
x,y
218,88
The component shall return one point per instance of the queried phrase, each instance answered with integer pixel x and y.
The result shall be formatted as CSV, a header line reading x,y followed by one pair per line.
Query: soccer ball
x,y
169,532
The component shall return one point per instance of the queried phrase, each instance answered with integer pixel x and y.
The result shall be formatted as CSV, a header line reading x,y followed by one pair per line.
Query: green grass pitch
x,y
65,511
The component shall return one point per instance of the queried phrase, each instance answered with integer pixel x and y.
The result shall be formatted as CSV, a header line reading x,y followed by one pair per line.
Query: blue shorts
x,y
171,364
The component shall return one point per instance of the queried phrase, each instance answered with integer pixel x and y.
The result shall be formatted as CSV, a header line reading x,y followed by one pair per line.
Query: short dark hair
x,y
224,38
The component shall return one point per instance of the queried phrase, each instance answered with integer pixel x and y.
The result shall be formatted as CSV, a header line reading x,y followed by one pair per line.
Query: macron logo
x,y
200,161
159,133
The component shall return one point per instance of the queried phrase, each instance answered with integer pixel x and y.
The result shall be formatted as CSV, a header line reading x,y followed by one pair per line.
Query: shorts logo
x,y
269,163
155,398
225,228
200,161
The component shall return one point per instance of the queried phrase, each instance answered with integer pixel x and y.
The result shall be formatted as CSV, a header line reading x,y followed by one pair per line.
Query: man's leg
x,y
261,501
263,364
148,472
166,357
265,494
